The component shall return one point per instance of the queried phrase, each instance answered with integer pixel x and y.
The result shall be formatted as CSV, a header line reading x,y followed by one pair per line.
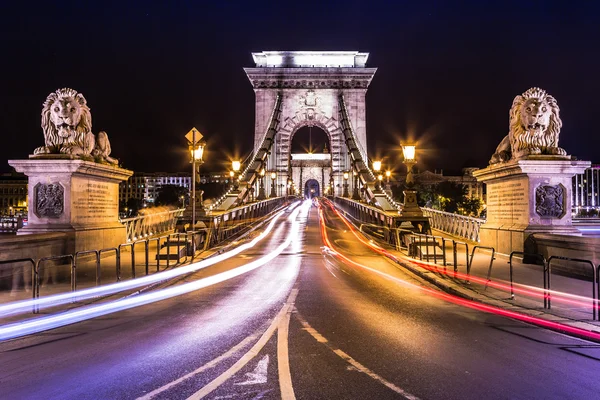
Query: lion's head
x,y
534,127
534,124
66,121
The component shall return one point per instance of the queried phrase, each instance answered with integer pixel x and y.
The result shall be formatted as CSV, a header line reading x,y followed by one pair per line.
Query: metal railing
x,y
454,224
152,224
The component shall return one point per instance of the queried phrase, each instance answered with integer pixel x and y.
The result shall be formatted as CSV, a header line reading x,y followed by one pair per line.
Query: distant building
x,y
145,186
13,194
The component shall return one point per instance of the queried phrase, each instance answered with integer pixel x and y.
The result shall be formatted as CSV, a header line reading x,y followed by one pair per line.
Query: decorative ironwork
x,y
49,200
550,201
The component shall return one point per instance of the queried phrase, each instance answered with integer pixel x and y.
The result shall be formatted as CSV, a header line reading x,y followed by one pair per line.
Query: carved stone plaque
x,y
549,201
49,200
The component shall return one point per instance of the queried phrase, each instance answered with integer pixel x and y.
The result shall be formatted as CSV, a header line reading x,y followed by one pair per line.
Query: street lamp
x,y
409,160
388,188
377,168
235,165
346,194
411,207
196,148
273,176
261,190
182,198
355,194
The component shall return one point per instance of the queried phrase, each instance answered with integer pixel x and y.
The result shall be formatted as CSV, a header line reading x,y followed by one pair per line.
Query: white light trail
x,y
80,295
36,325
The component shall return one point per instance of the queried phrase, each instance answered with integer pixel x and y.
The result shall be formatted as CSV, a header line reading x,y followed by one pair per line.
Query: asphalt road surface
x,y
305,325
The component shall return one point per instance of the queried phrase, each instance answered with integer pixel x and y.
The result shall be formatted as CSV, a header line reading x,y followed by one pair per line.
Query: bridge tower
x,y
327,90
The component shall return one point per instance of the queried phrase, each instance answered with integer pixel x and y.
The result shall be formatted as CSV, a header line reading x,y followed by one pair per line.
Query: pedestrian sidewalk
x,y
570,297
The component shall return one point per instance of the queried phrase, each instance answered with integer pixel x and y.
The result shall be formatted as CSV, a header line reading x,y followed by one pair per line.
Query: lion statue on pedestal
x,y
534,128
67,126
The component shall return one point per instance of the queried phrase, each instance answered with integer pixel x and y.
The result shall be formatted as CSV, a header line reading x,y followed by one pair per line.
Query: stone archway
x,y
312,189
308,88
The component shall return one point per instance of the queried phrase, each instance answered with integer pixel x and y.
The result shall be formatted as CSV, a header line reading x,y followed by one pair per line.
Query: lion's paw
x,y
557,151
42,150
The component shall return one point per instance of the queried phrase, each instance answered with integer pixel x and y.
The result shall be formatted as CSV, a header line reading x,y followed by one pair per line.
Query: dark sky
x,y
447,71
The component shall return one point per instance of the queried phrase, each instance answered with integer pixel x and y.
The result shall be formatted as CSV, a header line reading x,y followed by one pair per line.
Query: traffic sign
x,y
193,134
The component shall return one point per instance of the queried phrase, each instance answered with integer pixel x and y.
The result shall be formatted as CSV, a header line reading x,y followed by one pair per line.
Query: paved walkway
x,y
573,306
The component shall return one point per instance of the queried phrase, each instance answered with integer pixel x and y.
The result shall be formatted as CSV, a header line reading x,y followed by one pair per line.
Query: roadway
x,y
306,324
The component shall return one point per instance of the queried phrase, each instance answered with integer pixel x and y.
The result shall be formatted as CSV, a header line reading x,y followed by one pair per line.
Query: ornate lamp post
x,y
355,194
377,168
273,176
346,194
261,190
196,148
388,188
409,160
411,208
235,165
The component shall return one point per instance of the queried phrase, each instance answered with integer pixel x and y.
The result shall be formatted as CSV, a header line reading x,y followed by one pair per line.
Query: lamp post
x,y
346,194
261,190
273,176
388,188
235,165
377,168
411,207
182,198
355,194
196,147
409,159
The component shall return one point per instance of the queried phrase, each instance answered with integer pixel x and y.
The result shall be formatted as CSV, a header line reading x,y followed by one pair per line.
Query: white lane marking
x,y
359,367
203,368
283,359
259,375
253,352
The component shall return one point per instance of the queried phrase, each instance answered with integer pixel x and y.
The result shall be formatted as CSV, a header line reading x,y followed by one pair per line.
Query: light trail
x,y
84,294
525,290
40,324
457,300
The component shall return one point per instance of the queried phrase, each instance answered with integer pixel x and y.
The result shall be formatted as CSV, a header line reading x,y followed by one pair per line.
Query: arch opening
x,y
312,189
310,139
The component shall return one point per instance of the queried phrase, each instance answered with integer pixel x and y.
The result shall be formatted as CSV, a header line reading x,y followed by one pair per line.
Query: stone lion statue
x,y
67,126
534,128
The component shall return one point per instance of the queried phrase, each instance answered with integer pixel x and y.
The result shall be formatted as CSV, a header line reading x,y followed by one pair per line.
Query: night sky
x,y
447,72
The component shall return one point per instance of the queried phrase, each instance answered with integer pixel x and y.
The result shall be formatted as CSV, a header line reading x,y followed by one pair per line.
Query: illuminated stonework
x,y
311,85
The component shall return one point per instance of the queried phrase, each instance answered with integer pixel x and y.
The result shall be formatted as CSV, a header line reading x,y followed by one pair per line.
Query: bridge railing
x,y
223,225
454,224
151,224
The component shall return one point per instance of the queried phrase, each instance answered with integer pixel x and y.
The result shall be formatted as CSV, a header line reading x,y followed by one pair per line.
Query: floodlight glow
x,y
408,151
236,165
377,166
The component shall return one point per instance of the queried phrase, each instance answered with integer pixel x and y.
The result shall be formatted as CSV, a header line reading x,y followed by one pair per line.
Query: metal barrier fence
x,y
454,224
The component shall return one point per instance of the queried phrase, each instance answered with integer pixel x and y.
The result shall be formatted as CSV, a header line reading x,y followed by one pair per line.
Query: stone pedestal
x,y
77,197
527,196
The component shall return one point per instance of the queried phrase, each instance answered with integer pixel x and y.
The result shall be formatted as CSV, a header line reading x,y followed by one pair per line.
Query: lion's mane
x,y
520,142
54,142
520,138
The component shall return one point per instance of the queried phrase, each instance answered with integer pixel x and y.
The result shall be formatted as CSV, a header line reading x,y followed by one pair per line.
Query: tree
x,y
470,206
171,195
450,195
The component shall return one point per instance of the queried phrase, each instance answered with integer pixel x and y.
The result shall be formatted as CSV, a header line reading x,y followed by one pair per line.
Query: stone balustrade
x,y
454,224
